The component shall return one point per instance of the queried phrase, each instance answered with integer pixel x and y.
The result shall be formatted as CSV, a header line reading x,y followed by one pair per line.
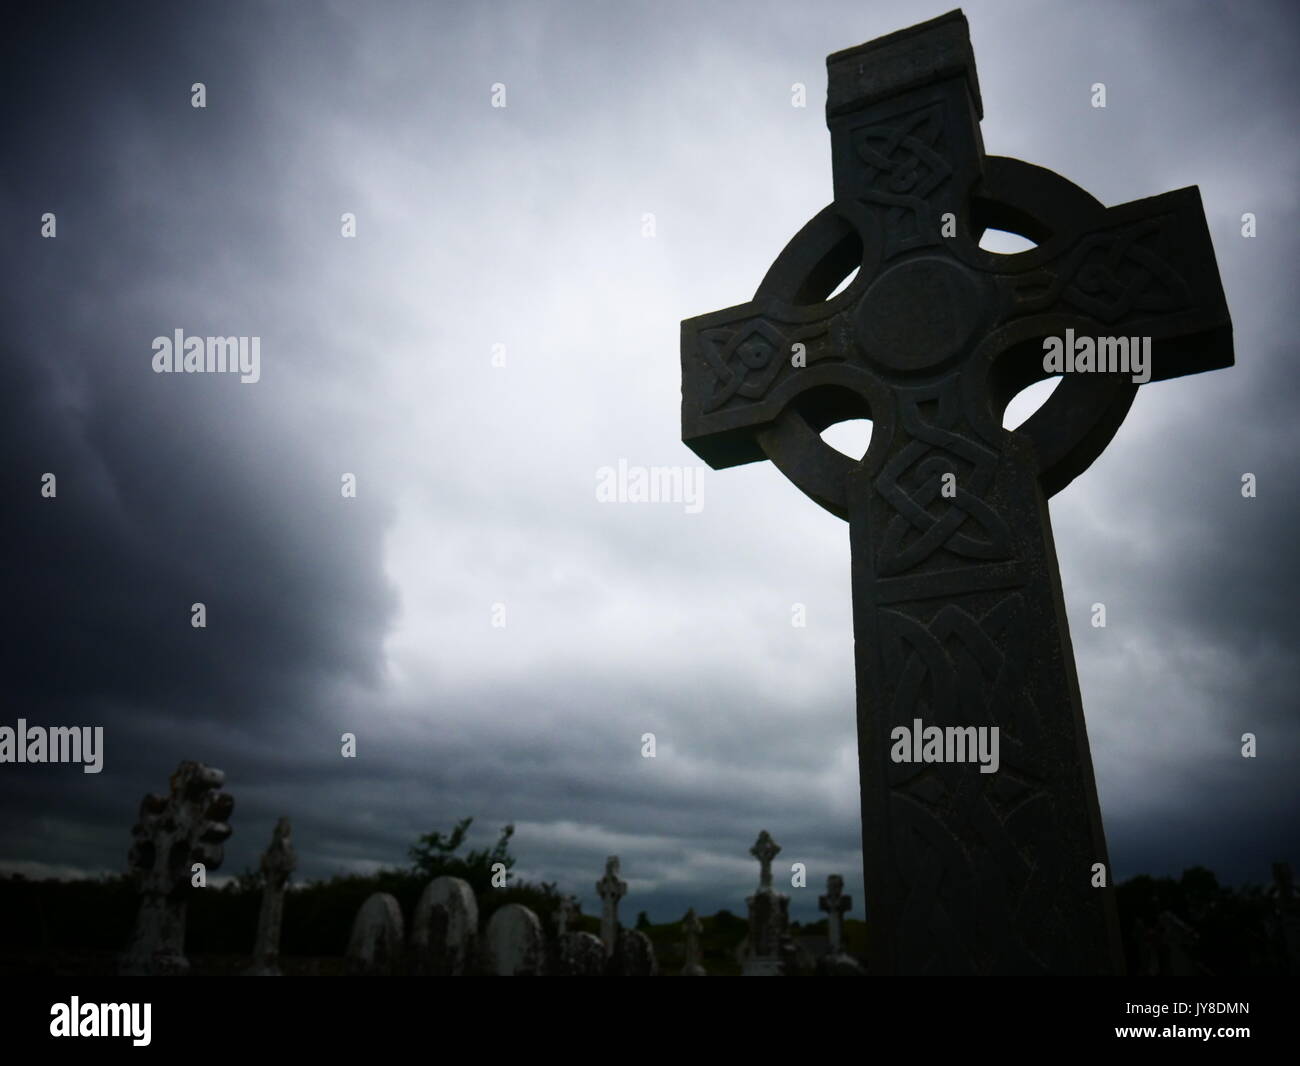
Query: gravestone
x,y
580,955
610,890
959,618
836,962
692,927
577,953
769,917
173,833
375,944
444,928
835,903
634,956
278,862
513,943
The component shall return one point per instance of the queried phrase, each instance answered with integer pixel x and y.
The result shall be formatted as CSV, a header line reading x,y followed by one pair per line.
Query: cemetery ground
x,y
79,928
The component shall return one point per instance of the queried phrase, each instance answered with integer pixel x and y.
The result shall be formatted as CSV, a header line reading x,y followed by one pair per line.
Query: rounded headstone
x,y
634,955
444,928
375,946
581,955
513,942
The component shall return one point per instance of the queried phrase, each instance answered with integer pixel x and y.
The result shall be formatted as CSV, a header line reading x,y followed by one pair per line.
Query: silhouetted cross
x,y
958,614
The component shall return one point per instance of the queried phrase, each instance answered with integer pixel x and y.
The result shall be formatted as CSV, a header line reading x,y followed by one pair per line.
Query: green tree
x,y
434,855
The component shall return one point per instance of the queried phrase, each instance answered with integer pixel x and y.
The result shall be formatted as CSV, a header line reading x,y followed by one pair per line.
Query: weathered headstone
x,y
769,917
634,956
837,962
577,953
959,618
610,890
513,942
692,927
580,955
444,928
375,944
173,833
278,862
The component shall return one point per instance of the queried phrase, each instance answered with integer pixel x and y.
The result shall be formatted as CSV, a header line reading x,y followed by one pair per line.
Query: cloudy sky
x,y
517,235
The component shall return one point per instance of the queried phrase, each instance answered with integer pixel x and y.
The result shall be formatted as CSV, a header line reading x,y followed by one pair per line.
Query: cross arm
x,y
1141,269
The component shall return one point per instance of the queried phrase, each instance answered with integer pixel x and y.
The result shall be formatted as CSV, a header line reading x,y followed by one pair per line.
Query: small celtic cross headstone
x,y
278,862
692,928
578,954
959,619
765,849
566,913
835,903
174,832
610,889
769,916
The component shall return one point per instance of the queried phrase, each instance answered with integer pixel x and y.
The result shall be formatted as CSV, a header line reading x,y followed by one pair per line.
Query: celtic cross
x,y
175,833
959,619
765,849
610,888
835,903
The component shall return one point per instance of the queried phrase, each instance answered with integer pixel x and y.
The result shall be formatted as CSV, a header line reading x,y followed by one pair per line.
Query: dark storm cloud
x,y
522,227
171,490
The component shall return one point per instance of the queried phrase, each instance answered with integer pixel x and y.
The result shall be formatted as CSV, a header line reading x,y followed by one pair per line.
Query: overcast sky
x,y
524,227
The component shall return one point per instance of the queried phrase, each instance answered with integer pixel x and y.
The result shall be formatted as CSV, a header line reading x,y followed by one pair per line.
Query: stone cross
x,y
278,862
769,916
959,618
611,890
765,849
692,927
566,913
835,903
174,832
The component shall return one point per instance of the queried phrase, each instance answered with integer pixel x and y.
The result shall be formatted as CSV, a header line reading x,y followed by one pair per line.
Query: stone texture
x,y
513,943
278,863
375,945
444,929
189,825
959,617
